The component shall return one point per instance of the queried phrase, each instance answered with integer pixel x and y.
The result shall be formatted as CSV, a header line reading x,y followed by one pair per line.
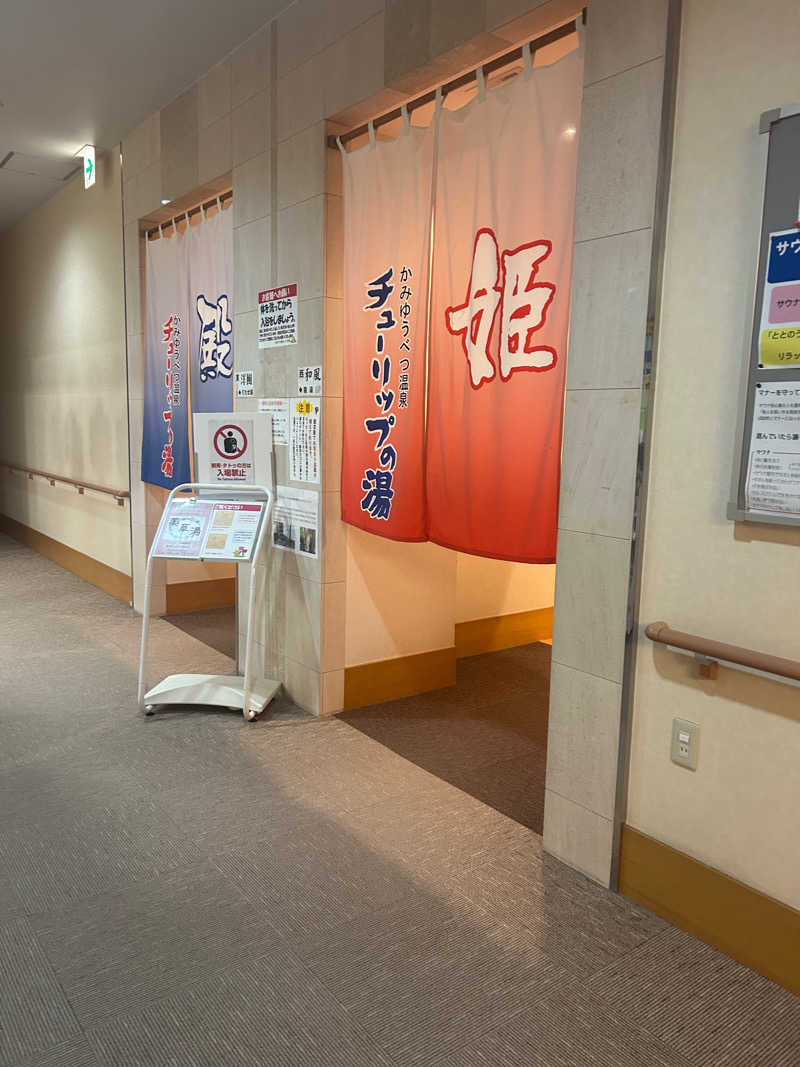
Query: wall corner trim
x,y
503,631
757,930
404,676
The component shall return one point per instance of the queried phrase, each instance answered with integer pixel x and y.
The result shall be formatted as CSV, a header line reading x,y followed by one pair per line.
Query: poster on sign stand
x,y
217,519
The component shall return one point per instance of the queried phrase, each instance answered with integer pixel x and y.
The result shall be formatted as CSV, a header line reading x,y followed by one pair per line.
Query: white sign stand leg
x,y
235,691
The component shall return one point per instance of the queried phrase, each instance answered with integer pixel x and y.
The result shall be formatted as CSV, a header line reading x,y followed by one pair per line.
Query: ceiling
x,y
87,71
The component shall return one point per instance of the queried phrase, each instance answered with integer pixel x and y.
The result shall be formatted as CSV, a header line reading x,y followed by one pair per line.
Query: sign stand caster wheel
x,y
149,709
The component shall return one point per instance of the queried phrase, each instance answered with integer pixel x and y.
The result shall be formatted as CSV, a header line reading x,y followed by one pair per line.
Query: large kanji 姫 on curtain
x,y
465,449
499,314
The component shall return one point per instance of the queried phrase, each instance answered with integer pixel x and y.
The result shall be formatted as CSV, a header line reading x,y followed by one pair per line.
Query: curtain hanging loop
x,y
406,118
580,29
371,125
439,100
342,149
481,79
527,57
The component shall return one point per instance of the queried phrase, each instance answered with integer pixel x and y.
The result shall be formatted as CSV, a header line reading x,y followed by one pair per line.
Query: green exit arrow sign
x,y
88,165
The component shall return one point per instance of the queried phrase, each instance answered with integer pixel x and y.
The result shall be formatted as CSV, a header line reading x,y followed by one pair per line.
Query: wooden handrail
x,y
662,633
120,495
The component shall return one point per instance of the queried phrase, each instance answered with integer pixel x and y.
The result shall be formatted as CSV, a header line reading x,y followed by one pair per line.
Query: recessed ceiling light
x,y
166,201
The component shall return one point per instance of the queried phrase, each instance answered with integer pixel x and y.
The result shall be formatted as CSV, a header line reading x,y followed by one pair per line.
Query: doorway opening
x,y
447,653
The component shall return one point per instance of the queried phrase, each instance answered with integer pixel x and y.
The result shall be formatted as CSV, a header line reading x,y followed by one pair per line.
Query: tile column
x,y
616,195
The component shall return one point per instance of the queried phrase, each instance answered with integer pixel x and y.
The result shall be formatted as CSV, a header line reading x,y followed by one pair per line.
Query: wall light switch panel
x,y
683,749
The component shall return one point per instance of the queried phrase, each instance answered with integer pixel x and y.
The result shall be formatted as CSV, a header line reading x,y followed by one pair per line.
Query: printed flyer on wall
x,y
779,339
277,317
208,529
304,459
295,521
773,471
279,410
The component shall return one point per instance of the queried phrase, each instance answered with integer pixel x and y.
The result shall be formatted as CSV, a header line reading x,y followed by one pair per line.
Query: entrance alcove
x,y
400,613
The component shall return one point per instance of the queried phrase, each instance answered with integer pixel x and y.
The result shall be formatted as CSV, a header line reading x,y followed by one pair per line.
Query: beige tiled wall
x,y
617,170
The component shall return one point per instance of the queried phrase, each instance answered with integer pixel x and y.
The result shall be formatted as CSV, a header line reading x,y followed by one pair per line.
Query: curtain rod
x,y
464,79
206,204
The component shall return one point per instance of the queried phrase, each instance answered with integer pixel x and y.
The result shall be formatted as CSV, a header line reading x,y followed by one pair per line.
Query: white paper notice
x,y
277,317
295,521
244,383
208,529
773,472
304,441
231,450
309,381
279,409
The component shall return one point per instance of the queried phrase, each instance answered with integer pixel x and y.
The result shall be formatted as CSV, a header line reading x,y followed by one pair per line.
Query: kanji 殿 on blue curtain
x,y
165,431
211,312
500,288
188,342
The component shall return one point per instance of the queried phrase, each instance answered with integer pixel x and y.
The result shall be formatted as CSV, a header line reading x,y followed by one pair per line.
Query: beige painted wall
x,y
489,587
406,598
399,598
738,811
62,357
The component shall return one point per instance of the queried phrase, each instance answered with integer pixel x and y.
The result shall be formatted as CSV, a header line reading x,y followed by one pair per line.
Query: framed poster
x,y
767,484
192,528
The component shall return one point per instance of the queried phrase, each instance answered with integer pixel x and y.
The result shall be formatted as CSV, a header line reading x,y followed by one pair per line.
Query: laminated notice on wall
x,y
295,521
208,529
773,472
304,453
779,341
245,383
279,408
277,317
309,381
231,450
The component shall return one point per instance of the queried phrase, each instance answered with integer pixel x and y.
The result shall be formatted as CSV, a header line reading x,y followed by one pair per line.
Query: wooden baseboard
x,y
503,631
743,923
111,581
391,679
200,596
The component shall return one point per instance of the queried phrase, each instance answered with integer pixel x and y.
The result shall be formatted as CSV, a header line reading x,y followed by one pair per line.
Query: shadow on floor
x,y
215,627
487,735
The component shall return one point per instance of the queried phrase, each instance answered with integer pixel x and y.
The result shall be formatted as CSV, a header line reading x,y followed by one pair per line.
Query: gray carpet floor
x,y
215,627
192,891
487,734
